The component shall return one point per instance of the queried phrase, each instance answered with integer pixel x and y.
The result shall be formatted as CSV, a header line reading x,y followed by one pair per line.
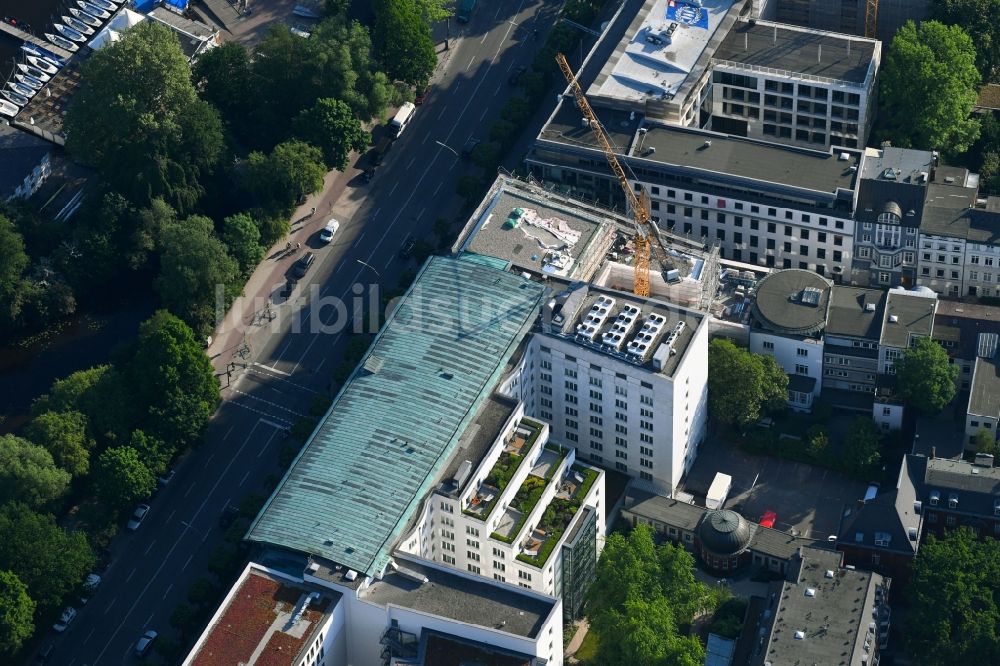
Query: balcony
x,y
516,449
572,490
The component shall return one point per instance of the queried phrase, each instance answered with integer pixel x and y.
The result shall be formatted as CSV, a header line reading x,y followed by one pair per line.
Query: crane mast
x,y
871,17
638,204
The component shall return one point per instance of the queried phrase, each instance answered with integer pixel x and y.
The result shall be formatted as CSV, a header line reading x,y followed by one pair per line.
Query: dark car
x,y
303,265
515,76
421,95
406,251
228,516
469,147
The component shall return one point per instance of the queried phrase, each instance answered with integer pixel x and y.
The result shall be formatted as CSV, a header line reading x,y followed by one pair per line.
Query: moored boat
x,y
61,42
39,52
93,9
17,98
105,5
42,64
33,72
8,109
81,15
29,81
21,89
70,33
78,25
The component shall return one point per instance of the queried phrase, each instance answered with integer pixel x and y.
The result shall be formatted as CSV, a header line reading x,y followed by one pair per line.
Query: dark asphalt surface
x,y
154,567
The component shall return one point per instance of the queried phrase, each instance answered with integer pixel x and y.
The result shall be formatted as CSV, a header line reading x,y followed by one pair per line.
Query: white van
x,y
402,118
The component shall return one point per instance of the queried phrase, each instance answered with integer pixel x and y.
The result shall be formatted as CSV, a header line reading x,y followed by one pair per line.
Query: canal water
x,y
38,14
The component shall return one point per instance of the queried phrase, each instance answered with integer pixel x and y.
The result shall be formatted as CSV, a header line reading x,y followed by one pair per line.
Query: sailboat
x,y
61,42
33,71
8,109
39,52
93,9
77,25
29,81
81,15
104,4
43,64
18,99
70,33
21,89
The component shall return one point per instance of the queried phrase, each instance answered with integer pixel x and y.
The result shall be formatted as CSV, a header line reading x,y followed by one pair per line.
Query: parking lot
x,y
808,501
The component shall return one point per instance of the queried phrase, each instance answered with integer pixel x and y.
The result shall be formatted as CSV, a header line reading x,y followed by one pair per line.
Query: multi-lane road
x,y
154,567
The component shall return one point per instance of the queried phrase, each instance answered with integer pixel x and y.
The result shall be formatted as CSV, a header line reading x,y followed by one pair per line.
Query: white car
x,y
328,232
68,615
145,643
166,478
137,517
89,585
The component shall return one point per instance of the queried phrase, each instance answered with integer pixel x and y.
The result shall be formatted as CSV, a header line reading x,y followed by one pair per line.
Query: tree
x,y
985,441
100,394
979,19
242,237
742,385
953,616
929,86
292,170
137,119
13,260
861,447
172,376
330,125
404,42
17,611
433,11
194,264
64,435
48,560
224,77
28,473
120,477
154,453
925,376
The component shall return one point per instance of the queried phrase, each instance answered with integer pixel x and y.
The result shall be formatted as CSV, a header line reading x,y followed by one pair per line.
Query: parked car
x,y
137,517
421,94
329,231
303,265
228,516
166,478
469,147
89,585
406,251
67,617
516,74
145,643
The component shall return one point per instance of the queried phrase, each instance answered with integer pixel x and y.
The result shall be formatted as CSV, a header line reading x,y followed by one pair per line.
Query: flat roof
x,y
757,161
832,613
961,323
907,314
856,312
539,231
984,396
429,588
640,70
792,301
798,50
394,425
255,624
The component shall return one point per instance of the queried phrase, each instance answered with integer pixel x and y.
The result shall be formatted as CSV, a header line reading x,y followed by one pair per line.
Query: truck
x,y
718,491
401,119
464,11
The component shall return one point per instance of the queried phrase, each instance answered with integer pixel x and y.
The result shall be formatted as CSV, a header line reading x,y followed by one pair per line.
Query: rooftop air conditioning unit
x,y
893,319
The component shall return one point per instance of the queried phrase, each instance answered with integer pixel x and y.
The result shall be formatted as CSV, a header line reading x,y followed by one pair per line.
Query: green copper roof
x,y
390,431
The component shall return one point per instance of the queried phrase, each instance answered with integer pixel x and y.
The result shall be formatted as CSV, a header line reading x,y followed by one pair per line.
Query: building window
x,y
768,345
473,568
801,369
448,559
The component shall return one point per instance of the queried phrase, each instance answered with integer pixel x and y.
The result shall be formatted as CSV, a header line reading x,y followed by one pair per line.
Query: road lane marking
x,y
321,362
259,454
421,213
270,403
286,381
377,211
510,66
166,558
440,183
148,620
171,515
272,423
471,60
131,573
394,186
499,9
485,35
188,491
485,111
271,368
227,432
243,480
149,547
287,424
209,459
510,24
88,638
412,160
386,267
442,113
358,239
190,557
108,607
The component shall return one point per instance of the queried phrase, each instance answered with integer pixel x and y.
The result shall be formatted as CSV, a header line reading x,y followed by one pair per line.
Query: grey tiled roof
x,y
976,487
891,515
849,315
914,316
984,397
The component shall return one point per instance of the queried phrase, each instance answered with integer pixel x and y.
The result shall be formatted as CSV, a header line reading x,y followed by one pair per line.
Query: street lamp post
x,y
367,265
447,147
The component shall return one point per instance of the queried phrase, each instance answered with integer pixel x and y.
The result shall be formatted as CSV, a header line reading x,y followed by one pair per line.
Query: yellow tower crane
x,y
637,203
871,17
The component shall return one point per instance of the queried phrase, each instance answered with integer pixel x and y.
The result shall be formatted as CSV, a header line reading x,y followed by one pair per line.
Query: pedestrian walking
x,y
288,246
313,211
298,246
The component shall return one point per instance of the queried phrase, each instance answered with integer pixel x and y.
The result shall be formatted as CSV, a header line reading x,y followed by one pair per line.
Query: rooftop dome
x,y
724,532
792,301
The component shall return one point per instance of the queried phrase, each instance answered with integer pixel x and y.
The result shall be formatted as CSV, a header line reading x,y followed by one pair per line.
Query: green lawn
x,y
588,649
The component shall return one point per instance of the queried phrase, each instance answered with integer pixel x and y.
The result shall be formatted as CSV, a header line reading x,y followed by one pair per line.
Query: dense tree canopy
x,y
331,126
16,613
954,616
640,596
64,435
195,266
28,473
925,376
48,560
404,40
120,478
292,170
929,84
981,20
242,236
861,448
742,386
100,394
172,375
137,119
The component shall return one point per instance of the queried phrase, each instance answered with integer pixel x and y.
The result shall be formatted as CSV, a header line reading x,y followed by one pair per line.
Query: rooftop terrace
x,y
391,431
